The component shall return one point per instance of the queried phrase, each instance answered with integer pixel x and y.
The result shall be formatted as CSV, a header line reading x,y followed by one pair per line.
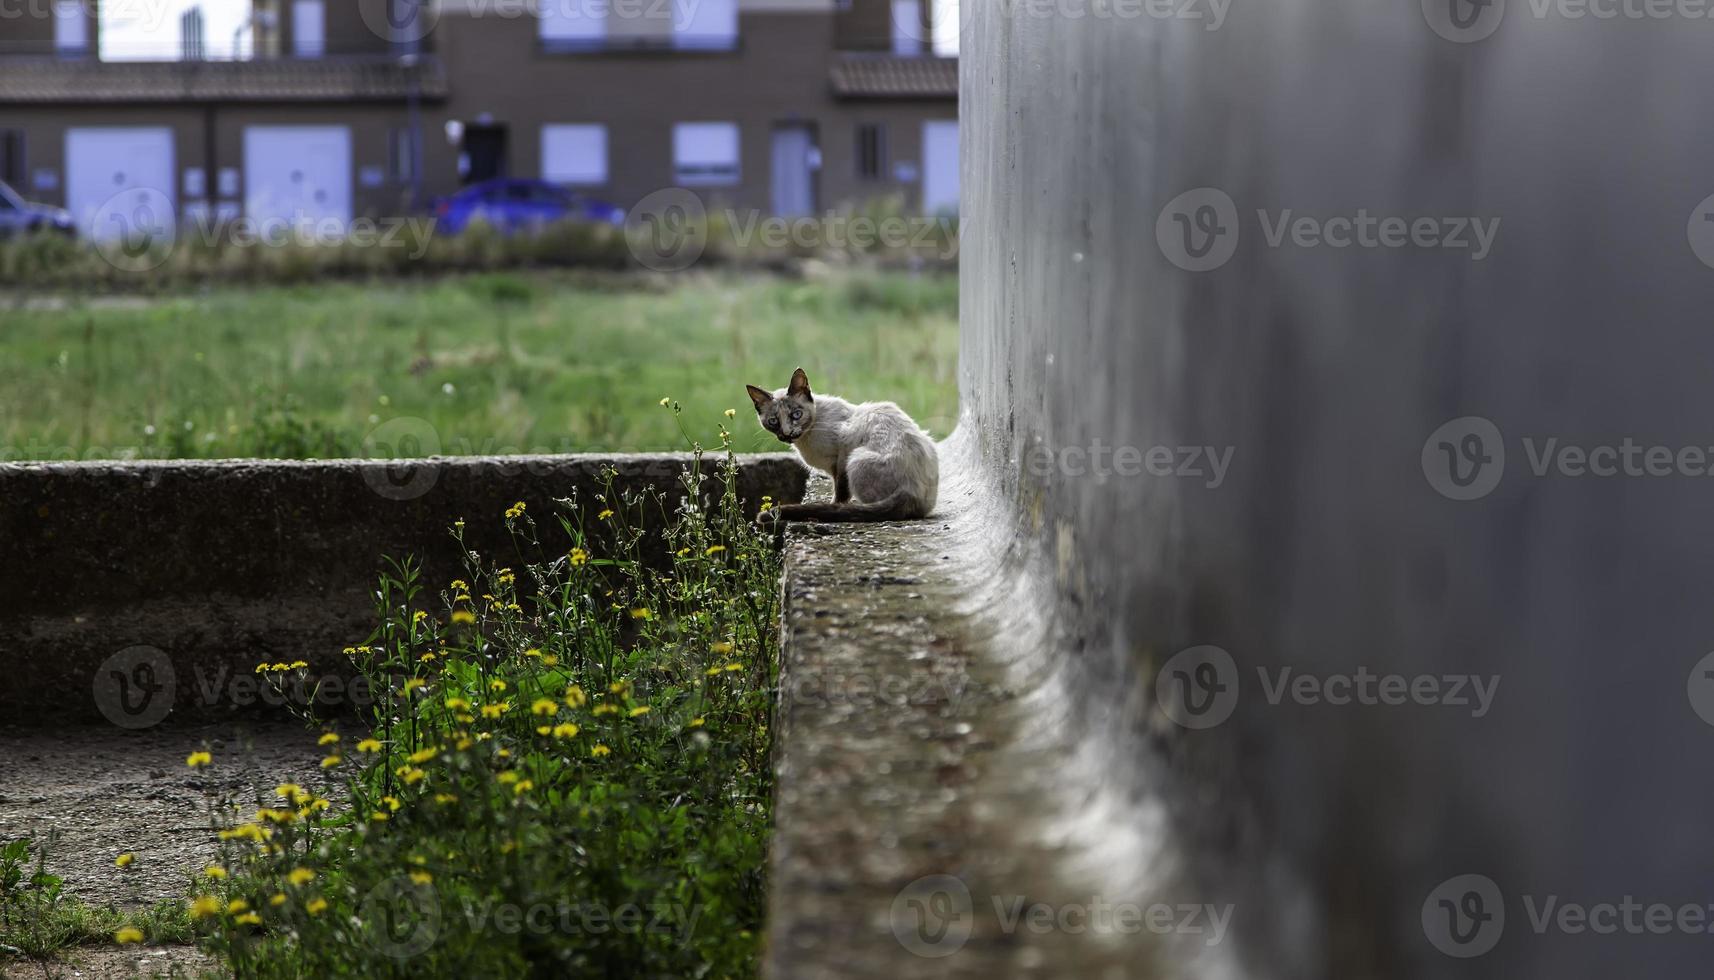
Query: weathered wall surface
x,y
204,569
1333,543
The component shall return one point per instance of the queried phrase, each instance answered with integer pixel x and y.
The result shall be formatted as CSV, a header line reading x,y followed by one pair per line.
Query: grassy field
x,y
497,363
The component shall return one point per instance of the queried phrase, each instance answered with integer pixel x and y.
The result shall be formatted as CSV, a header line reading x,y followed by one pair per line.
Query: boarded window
x,y
871,151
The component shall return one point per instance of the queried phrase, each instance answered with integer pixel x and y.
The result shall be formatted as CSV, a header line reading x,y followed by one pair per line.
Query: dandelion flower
x,y
715,549
642,613
287,790
196,760
277,899
496,710
204,906
413,776
369,745
421,877
575,697
734,667
604,515
543,706
214,871
424,755
458,704
565,730
248,919
722,648
331,761
666,401
578,557
329,739
696,723
463,616
124,860
316,906
509,776
129,934
300,876
600,750
496,685
522,787
236,906
300,664
639,711
445,798
731,413
515,511
414,683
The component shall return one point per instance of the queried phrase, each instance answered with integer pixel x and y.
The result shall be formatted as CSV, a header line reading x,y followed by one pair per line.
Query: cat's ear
x,y
799,388
758,397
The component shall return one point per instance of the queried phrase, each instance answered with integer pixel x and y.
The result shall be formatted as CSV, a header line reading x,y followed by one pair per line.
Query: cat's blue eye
x,y
773,422
797,414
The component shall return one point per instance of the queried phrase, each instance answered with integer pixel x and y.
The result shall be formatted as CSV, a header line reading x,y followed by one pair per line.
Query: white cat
x,y
884,467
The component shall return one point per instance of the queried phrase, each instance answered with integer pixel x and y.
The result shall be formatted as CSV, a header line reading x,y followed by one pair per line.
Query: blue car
x,y
21,217
512,205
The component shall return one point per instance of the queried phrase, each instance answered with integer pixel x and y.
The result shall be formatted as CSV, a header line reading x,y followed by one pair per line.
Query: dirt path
x,y
106,791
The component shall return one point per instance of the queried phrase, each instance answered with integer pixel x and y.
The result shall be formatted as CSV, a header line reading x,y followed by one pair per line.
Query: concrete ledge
x,y
942,782
202,569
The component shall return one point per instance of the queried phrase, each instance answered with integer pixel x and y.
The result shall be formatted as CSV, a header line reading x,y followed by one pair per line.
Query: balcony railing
x,y
330,79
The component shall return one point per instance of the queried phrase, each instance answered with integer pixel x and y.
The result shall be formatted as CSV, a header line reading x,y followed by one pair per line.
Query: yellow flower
x,y
734,667
604,515
300,876
458,704
523,787
600,750
575,697
413,776
544,729
129,934
463,616
214,871
424,755
421,877
464,743
277,899
262,668
565,730
641,613
236,906
369,745
287,790
281,667
316,906
328,739
722,648
605,709
204,906
299,664
392,803
731,413
196,760
248,919
378,817
418,616
124,860
445,798
331,761
578,557
496,710
509,776
459,585
532,653
715,549
515,511
696,723
496,685
666,401
414,683
543,706
712,671
640,710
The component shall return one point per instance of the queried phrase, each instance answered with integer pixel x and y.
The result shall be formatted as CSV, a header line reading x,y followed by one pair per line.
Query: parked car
x,y
19,217
512,204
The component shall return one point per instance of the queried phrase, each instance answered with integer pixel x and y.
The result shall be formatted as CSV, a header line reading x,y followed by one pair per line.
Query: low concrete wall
x,y
121,578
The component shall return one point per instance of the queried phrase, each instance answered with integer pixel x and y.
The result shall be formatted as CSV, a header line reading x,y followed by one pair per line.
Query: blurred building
x,y
341,108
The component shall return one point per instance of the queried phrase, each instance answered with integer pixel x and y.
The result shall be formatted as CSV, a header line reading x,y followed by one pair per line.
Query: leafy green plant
x,y
566,771
38,921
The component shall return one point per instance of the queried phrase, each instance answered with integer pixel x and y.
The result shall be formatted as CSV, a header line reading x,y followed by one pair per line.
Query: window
x,y
593,25
574,154
309,28
872,151
401,156
907,27
705,154
71,28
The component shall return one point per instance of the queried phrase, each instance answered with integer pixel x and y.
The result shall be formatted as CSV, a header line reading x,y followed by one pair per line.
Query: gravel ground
x,y
107,790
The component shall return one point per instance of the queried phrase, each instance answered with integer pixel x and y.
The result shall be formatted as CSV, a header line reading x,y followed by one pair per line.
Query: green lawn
x,y
502,363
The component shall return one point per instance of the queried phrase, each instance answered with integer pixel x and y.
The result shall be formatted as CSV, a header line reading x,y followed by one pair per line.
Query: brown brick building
x,y
347,108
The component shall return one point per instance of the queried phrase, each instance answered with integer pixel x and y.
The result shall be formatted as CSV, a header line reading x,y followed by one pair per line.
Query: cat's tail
x,y
897,506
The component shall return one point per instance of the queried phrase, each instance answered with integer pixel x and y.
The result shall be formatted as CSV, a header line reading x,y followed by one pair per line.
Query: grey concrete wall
x,y
201,570
1330,546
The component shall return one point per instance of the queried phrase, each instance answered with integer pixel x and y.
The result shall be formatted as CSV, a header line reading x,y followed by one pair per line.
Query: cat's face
x,y
787,413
